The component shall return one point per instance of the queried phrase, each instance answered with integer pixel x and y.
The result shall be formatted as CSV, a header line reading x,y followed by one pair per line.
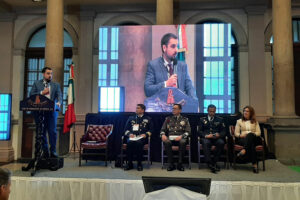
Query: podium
x,y
165,98
40,104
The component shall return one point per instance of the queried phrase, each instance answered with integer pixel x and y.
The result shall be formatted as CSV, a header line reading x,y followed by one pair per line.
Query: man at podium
x,y
52,91
166,71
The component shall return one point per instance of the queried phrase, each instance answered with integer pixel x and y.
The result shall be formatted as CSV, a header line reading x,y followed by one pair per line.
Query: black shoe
x,y
255,170
212,168
128,166
217,167
140,167
171,168
180,167
54,155
45,155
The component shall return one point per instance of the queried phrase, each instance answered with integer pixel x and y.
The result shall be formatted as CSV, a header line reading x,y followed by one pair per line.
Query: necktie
x,y
170,69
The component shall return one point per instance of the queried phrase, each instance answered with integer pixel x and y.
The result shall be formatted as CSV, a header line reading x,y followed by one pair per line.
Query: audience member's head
x,y
176,109
140,109
249,114
5,183
211,110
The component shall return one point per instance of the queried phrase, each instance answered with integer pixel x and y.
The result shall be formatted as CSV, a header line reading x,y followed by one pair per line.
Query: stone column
x,y
6,56
55,39
84,74
164,12
85,68
285,123
283,58
256,61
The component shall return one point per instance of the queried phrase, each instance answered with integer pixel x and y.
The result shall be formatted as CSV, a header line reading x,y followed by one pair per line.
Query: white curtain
x,y
42,188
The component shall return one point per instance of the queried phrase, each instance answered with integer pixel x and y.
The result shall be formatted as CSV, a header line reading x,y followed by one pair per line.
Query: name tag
x,y
135,127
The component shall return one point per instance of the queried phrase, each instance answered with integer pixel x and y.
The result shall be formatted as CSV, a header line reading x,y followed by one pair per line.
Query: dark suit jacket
x,y
215,126
157,73
174,126
55,91
145,125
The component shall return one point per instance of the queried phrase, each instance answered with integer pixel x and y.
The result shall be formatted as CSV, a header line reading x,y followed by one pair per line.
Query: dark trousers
x,y
207,144
50,121
168,147
249,143
135,148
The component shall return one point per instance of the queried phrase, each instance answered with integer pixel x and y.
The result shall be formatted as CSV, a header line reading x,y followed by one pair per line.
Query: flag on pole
x,y
70,117
182,42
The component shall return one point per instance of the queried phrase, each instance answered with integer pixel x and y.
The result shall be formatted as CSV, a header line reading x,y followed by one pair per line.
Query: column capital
x,y
87,14
243,48
19,52
255,10
268,47
7,17
75,51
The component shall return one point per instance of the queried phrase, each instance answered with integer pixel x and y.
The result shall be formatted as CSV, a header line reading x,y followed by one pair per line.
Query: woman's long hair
x,y
252,117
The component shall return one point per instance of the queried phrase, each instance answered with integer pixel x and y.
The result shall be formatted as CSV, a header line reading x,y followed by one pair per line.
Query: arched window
x,y
216,67
35,60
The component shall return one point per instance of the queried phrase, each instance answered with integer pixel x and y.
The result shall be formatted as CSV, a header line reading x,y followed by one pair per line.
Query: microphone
x,y
174,61
46,84
175,65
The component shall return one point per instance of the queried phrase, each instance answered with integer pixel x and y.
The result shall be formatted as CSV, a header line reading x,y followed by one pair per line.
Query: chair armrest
x,y
149,138
110,133
108,136
83,138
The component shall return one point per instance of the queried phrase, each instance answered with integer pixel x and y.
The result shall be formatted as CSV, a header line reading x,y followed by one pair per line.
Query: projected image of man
x,y
166,71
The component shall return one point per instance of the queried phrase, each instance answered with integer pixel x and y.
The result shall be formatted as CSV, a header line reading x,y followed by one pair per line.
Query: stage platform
x,y
95,181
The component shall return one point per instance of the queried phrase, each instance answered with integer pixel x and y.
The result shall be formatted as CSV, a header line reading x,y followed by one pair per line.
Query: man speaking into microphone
x,y
52,91
166,71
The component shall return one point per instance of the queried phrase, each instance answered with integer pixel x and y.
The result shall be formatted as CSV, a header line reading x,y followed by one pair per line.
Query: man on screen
x,y
166,71
51,90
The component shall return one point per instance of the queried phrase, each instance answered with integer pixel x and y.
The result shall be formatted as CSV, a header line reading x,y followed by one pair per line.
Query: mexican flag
x,y
70,117
182,42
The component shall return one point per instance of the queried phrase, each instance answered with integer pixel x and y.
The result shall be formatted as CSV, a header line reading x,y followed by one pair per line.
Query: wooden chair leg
x,y
106,156
264,158
148,157
227,158
199,155
122,166
162,155
234,161
80,155
190,165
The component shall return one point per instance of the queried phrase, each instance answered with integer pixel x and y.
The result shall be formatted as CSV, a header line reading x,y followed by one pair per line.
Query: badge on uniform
x,y
182,123
135,127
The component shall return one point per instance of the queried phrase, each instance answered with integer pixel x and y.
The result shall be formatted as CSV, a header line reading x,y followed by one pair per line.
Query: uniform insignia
x,y
145,120
182,123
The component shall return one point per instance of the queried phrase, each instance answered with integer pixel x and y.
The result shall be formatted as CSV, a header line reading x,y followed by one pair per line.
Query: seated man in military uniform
x,y
175,131
212,132
137,130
